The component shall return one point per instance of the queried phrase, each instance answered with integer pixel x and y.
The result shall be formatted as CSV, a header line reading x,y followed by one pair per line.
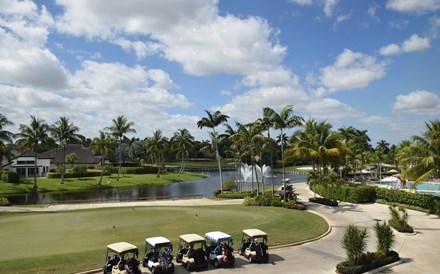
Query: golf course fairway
x,y
74,241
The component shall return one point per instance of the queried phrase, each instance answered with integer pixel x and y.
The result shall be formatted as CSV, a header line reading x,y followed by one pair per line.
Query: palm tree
x,y
31,137
247,136
156,146
422,158
182,142
212,121
281,121
317,142
384,146
6,137
64,132
118,129
267,123
103,145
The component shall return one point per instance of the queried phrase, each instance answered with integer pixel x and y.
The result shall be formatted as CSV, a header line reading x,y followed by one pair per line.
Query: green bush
x,y
429,202
370,261
233,195
229,185
267,200
10,177
139,170
352,194
324,201
4,202
399,220
88,173
385,238
354,242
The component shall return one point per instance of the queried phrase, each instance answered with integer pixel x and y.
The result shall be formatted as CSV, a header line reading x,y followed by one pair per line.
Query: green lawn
x,y
66,242
126,180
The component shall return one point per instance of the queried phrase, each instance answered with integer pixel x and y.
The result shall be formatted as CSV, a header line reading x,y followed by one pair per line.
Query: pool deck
x,y
419,251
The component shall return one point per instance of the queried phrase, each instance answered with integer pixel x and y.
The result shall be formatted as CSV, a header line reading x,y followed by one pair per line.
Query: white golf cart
x,y
192,252
121,258
219,250
254,246
158,258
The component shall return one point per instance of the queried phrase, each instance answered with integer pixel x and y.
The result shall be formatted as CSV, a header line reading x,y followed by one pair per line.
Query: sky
x,y
373,65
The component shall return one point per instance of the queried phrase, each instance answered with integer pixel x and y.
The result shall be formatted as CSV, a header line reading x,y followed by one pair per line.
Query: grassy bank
x,y
66,242
126,180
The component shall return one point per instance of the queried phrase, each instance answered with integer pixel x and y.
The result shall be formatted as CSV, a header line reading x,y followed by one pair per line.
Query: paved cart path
x,y
419,252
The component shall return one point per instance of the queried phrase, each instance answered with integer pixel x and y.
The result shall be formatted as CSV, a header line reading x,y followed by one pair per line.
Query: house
x,y
24,164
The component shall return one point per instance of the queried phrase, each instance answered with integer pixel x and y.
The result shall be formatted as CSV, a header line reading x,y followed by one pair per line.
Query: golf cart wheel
x,y
189,267
240,252
171,270
250,259
178,258
216,263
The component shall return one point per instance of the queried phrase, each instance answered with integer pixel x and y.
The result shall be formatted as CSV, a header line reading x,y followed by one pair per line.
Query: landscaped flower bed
x,y
369,261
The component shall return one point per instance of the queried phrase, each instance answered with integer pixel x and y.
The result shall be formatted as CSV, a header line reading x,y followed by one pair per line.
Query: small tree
x,y
354,243
71,158
399,220
385,238
79,170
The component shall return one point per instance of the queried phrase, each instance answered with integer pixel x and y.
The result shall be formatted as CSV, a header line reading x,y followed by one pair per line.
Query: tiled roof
x,y
85,156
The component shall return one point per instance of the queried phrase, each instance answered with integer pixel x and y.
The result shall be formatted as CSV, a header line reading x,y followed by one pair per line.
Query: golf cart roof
x,y
254,233
154,241
122,247
191,238
217,236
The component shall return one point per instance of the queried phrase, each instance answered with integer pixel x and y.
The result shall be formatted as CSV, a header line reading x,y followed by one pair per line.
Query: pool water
x,y
422,188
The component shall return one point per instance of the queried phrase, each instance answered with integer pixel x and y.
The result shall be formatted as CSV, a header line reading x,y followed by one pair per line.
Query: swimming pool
x,y
422,188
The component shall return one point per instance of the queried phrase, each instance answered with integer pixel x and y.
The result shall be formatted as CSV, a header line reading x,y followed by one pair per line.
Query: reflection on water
x,y
204,187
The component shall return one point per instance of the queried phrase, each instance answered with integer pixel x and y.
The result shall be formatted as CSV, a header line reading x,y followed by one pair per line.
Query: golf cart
x,y
158,258
290,191
219,250
254,246
192,252
121,258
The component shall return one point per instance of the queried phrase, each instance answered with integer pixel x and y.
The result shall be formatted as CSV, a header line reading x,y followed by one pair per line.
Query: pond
x,y
201,187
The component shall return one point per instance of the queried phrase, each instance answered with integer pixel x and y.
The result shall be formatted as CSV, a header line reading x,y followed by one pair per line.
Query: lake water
x,y
202,187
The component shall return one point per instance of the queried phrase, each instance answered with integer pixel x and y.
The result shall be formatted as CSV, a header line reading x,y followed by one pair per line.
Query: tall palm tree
x,y
104,145
120,127
283,120
6,137
422,158
31,137
182,142
316,141
212,121
64,132
156,146
247,135
384,146
267,123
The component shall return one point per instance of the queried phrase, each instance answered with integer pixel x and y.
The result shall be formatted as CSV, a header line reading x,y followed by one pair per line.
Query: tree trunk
x,y
284,168
35,170
64,164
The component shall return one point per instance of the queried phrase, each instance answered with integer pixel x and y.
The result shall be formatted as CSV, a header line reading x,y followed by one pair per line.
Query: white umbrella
x,y
390,179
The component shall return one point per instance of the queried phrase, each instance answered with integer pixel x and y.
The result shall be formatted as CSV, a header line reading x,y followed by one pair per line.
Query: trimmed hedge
x,y
353,194
324,201
88,173
428,202
139,170
267,200
370,261
10,177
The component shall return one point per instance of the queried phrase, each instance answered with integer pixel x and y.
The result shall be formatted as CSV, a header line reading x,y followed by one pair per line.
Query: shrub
x,y
216,192
233,195
352,194
429,202
324,201
229,185
4,202
249,201
295,205
140,170
399,220
354,242
369,261
10,177
385,238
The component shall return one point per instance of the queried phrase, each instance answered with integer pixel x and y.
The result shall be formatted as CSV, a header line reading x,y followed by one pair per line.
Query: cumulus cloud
x,y
411,6
191,33
352,70
419,102
412,44
327,5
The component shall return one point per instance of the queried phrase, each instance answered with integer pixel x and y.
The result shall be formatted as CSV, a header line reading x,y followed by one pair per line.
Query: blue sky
x,y
373,65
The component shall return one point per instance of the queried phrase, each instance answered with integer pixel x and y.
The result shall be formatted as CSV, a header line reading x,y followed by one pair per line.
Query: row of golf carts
x,y
195,252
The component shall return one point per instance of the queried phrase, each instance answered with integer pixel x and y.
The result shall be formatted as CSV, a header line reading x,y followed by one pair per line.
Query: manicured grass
x,y
125,180
66,242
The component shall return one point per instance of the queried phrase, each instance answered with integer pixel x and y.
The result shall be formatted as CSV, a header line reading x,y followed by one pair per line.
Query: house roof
x,y
85,156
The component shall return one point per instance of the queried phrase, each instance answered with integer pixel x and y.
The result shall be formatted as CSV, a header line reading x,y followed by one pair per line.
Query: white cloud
x,y
419,102
391,49
398,24
415,43
188,32
413,6
352,70
329,108
412,44
372,12
302,2
329,6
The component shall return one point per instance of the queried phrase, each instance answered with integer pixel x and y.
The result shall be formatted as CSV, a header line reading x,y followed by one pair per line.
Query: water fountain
x,y
248,175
